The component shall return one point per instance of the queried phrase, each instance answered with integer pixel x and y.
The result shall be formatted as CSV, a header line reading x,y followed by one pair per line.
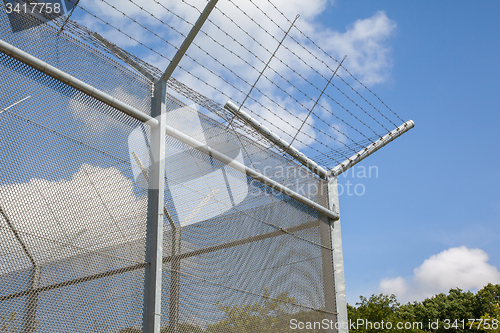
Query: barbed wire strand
x,y
282,62
135,21
328,55
305,62
242,79
213,87
203,66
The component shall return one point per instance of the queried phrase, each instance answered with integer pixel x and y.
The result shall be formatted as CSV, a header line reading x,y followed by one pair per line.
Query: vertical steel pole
x,y
173,317
154,233
327,259
338,258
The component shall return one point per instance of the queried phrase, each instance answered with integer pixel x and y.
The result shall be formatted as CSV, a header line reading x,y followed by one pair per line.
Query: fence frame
x,y
329,223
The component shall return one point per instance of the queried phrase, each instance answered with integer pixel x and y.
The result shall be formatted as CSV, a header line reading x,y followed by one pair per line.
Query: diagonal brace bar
x,y
267,65
317,101
189,39
364,153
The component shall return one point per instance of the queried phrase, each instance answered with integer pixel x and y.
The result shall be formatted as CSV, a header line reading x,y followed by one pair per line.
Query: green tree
x,y
130,330
379,313
489,322
488,299
489,304
181,328
457,307
185,328
271,316
374,309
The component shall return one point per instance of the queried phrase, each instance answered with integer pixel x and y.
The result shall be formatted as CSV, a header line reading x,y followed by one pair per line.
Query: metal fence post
x,y
154,233
338,260
327,259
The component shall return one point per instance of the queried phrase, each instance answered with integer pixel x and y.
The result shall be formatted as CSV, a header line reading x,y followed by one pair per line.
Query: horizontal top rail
x,y
57,74
73,82
249,172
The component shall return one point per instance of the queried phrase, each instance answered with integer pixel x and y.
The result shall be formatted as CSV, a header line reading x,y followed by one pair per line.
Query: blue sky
x,y
428,220
438,184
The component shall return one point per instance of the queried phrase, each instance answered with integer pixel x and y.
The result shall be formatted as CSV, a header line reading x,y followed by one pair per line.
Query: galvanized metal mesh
x,y
73,211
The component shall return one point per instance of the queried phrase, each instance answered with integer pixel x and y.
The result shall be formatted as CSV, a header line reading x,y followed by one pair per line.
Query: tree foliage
x,y
270,316
274,315
457,311
379,313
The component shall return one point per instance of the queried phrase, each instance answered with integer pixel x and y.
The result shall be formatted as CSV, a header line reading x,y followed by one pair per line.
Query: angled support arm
x,y
364,153
282,144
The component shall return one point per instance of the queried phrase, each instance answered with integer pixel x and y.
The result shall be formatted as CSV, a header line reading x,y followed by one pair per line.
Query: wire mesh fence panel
x,y
70,55
234,244
237,255
72,221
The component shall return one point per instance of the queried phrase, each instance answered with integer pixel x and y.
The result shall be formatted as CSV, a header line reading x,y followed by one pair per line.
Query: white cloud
x,y
94,210
397,286
365,47
458,267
